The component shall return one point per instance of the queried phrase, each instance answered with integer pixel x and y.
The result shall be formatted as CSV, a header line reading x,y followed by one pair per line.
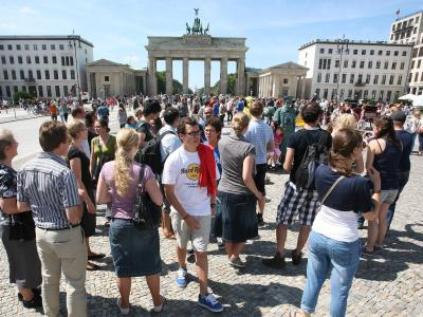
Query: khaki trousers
x,y
63,251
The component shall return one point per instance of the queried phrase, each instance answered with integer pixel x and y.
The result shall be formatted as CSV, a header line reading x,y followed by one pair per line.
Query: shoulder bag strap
x,y
332,188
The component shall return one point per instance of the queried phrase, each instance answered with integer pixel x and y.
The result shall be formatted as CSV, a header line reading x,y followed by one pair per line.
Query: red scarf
x,y
207,169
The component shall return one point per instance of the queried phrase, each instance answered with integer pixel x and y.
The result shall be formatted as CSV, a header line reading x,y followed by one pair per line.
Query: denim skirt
x,y
238,216
135,251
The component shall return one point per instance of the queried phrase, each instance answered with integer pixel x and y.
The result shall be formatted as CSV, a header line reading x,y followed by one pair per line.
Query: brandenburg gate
x,y
196,44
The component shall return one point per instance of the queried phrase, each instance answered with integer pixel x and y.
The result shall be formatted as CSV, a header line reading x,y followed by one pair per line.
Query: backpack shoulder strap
x,y
340,178
141,177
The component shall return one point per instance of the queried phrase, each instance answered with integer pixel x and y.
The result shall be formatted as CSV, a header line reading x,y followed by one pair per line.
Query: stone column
x,y
207,76
240,76
185,70
223,75
303,84
169,76
152,79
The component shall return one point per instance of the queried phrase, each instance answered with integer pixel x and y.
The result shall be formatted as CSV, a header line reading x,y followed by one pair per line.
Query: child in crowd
x,y
275,155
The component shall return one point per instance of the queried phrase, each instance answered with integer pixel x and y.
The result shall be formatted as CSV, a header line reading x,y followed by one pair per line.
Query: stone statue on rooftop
x,y
197,27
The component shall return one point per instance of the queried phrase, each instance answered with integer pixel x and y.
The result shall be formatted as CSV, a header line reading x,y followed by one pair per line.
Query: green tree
x,y
215,90
21,95
161,84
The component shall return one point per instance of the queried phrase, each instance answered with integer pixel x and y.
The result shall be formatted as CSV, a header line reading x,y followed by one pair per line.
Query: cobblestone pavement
x,y
388,284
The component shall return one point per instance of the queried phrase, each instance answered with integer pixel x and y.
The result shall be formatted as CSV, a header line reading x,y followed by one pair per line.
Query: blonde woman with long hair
x,y
135,251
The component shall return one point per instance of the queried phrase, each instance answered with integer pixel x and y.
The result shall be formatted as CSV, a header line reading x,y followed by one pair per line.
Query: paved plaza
x,y
388,284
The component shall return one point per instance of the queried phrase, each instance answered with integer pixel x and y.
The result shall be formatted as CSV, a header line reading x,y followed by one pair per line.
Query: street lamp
x,y
78,90
342,45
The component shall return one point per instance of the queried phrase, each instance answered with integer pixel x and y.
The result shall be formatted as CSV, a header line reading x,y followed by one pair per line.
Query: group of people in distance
x,y
210,186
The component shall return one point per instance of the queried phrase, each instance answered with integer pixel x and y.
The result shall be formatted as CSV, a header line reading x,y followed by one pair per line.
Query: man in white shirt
x,y
191,208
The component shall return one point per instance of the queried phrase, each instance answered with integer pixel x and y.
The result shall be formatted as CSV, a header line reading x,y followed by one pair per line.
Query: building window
x,y
52,47
107,78
18,47
335,78
388,53
346,63
5,75
360,78
47,74
399,80
26,47
329,60
48,91
8,94
20,60
71,60
330,51
64,75
285,80
40,91
55,74
61,47
419,63
63,61
337,63
3,60
402,65
37,59
354,63
404,53
72,75
365,94
355,52
54,59
38,74
9,47
65,90
386,65
67,60
394,66
13,72
30,74
44,47
361,64
396,53
383,80
373,94
388,95
325,93
45,59
416,76
352,79
380,52
372,52
1,47
367,79
57,90
363,52
28,60
349,93
24,88
11,60
370,65
375,79
377,65
322,51
344,78
327,78
22,74
319,78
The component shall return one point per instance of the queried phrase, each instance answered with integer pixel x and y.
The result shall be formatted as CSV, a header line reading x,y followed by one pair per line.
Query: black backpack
x,y
150,154
315,154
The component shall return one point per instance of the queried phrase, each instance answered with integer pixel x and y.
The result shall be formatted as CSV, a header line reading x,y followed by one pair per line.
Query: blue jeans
x,y
341,259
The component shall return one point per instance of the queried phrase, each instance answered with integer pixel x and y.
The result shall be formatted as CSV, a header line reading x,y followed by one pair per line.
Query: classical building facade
x,y
409,30
107,78
45,66
344,69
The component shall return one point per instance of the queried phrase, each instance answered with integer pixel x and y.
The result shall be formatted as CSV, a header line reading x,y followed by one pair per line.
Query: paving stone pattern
x,y
387,284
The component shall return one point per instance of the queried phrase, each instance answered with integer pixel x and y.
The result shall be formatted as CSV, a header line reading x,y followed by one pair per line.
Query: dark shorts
x,y
260,177
88,221
135,252
239,220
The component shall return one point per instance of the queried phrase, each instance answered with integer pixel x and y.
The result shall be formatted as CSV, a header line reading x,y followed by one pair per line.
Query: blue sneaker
x,y
181,279
210,302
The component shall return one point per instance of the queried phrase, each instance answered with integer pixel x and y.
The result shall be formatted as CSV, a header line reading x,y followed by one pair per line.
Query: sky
x,y
274,29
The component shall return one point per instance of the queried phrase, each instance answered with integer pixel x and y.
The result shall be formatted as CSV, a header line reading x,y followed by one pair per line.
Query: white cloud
x,y
27,10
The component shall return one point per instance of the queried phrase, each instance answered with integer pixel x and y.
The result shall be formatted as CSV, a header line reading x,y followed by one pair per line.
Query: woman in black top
x,y
17,229
80,165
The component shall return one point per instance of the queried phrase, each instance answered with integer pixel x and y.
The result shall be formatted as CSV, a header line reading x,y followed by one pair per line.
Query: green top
x,y
106,151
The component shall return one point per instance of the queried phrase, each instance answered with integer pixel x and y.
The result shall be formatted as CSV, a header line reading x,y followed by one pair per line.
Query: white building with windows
x,y
346,69
44,66
409,30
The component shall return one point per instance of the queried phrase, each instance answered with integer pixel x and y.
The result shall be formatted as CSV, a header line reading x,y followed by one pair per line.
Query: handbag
x,y
22,227
146,214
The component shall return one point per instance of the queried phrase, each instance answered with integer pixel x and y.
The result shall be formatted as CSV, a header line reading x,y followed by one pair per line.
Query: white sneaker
x,y
123,311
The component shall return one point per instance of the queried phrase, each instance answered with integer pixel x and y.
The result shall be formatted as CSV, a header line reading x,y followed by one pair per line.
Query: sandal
x,y
92,267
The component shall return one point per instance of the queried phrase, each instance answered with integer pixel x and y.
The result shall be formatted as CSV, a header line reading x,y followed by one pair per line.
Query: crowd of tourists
x,y
171,163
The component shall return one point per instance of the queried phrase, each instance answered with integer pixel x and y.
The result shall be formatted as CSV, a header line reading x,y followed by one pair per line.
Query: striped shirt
x,y
48,186
260,134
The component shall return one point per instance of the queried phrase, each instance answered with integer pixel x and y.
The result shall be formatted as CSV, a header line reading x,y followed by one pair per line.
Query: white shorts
x,y
199,237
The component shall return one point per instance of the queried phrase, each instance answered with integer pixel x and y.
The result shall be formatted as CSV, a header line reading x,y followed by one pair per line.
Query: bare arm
x,y
23,206
74,214
370,155
75,166
247,175
93,158
271,145
154,192
171,197
10,206
289,159
102,196
359,168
